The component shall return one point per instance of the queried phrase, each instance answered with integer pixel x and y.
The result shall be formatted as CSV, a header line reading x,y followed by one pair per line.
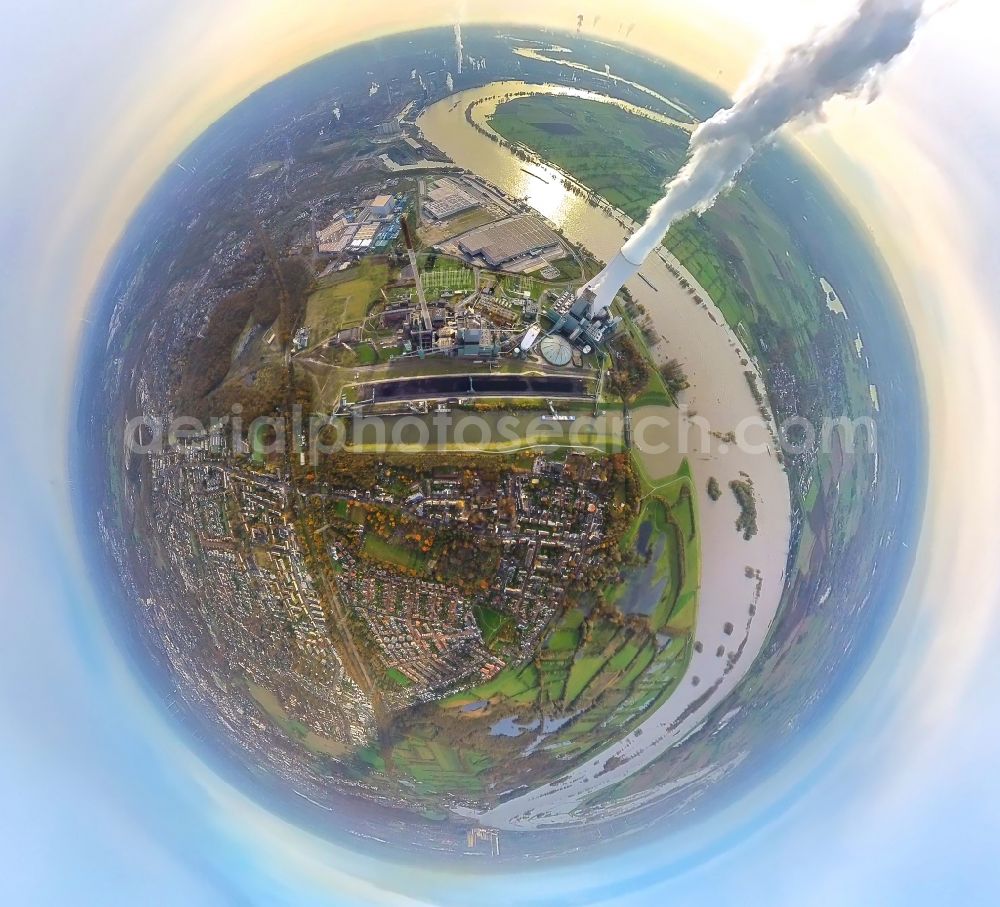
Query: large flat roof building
x,y
364,237
505,241
382,205
445,199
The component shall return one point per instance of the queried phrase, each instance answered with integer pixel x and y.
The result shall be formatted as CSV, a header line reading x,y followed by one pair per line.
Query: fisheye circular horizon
x,y
429,549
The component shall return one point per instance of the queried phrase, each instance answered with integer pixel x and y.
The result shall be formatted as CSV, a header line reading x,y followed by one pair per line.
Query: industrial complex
x,y
480,294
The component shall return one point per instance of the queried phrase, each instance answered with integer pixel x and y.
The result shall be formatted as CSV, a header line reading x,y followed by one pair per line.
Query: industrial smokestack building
x,y
600,291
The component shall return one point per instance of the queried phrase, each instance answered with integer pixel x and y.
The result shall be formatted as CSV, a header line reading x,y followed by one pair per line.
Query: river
x,y
742,581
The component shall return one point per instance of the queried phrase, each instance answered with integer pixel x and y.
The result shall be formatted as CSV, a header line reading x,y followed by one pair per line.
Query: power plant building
x,y
556,350
476,343
584,325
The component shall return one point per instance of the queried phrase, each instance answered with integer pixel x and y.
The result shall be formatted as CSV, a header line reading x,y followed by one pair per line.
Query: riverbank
x,y
743,579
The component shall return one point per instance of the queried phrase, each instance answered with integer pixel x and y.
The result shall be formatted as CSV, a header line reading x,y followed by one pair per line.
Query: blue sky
x,y
895,802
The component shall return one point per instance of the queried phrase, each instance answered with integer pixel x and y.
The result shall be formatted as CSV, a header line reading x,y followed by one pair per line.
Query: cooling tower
x,y
606,284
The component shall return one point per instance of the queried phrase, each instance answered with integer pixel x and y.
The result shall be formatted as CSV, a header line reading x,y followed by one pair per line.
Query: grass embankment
x,y
494,432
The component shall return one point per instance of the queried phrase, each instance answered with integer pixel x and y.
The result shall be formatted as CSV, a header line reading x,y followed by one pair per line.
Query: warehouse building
x,y
504,242
445,199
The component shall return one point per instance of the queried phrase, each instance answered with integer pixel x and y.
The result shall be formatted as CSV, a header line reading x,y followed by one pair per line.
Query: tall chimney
x,y
608,282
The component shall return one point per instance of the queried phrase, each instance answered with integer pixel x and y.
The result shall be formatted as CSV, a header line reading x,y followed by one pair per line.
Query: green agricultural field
x,y
584,670
623,657
508,684
563,641
342,300
437,768
371,757
624,159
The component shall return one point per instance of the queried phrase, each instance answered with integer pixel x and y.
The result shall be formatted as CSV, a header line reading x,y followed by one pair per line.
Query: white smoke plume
x,y
459,50
842,60
449,81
